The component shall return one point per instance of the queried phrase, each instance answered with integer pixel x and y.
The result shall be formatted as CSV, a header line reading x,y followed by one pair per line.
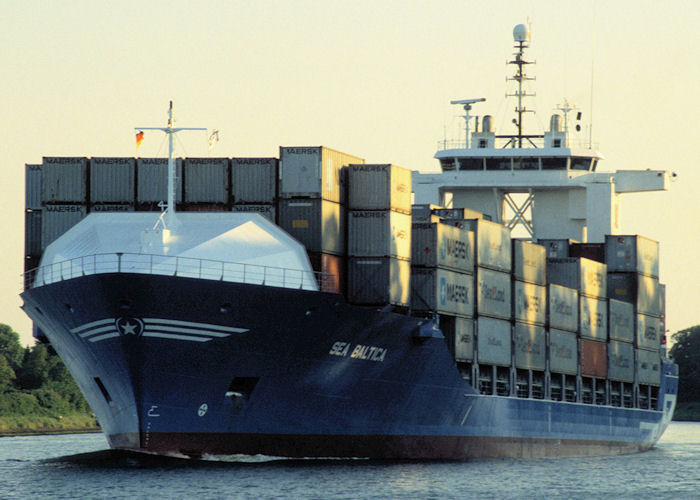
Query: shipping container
x,y
442,291
620,321
423,213
379,281
332,269
529,262
318,224
204,207
57,219
662,300
63,180
648,367
457,213
111,207
562,308
556,248
379,187
493,293
529,346
591,251
620,361
593,318
313,172
640,291
493,341
32,187
648,332
491,241
112,180
207,180
254,180
379,233
32,232
442,245
529,303
152,180
267,211
563,352
585,275
464,338
632,253
594,358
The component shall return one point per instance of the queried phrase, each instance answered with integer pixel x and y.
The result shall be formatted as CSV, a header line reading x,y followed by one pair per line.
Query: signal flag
x,y
139,138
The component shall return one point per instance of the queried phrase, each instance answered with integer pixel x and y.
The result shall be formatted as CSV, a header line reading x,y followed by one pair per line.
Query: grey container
x,y
587,276
620,321
457,213
423,212
442,245
32,187
662,300
493,293
112,180
593,318
379,233
442,291
648,332
57,219
379,187
63,180
529,346
152,180
32,233
648,367
267,211
562,308
493,341
640,291
313,172
632,253
529,262
111,207
378,281
207,180
620,361
563,352
491,240
556,248
254,180
318,224
529,303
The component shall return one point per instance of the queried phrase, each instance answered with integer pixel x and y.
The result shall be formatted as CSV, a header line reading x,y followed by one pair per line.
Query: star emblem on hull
x,y
129,326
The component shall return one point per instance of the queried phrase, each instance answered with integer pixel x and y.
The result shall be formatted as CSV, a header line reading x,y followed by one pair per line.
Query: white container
x,y
620,361
493,341
620,321
442,291
648,367
529,346
529,303
254,180
207,180
632,253
562,308
648,332
379,233
529,262
593,318
112,180
379,187
64,180
442,245
493,293
492,243
464,339
563,352
587,276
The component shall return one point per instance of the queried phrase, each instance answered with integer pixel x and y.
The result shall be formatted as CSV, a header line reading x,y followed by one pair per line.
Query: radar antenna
x,y
521,36
467,108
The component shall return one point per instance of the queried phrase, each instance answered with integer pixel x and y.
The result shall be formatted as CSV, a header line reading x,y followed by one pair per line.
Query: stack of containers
x,y
562,324
32,216
620,352
312,192
529,294
112,182
557,248
254,186
152,183
207,185
379,234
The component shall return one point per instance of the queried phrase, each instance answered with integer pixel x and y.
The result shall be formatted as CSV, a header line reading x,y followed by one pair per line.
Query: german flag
x,y
139,138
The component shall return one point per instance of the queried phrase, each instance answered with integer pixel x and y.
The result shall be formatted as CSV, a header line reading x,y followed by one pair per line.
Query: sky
x,y
369,78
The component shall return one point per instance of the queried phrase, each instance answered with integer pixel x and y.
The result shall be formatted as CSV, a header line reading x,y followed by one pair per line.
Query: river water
x,y
80,466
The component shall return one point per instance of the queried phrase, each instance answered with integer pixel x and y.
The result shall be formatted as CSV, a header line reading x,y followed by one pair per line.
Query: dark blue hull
x,y
186,366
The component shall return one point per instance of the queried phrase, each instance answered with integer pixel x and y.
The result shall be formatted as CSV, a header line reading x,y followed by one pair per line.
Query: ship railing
x,y
508,142
189,267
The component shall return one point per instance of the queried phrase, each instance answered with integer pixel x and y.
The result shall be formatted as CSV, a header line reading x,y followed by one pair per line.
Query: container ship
x,y
315,305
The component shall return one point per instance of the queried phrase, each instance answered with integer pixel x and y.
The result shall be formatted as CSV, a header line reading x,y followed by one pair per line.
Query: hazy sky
x,y
370,78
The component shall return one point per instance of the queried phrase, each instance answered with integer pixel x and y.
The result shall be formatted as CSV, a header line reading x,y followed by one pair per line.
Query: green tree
x,y
686,352
10,346
35,367
7,375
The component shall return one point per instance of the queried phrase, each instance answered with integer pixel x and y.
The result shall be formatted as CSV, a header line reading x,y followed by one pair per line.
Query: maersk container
x,y
529,303
491,240
593,318
318,224
632,253
423,213
207,180
57,219
112,180
529,346
32,232
648,367
493,341
591,251
63,180
648,332
556,248
379,281
266,210
594,358
640,291
442,291
563,352
379,233
379,187
152,180
493,293
620,321
111,207
529,262
442,245
313,172
32,187
254,180
620,361
562,308
585,275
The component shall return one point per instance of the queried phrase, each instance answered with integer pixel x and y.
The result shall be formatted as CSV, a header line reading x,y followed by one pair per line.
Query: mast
x,y
521,35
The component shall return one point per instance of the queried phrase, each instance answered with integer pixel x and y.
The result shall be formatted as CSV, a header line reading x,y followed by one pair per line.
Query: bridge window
x,y
553,163
580,163
471,163
526,164
447,163
497,163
